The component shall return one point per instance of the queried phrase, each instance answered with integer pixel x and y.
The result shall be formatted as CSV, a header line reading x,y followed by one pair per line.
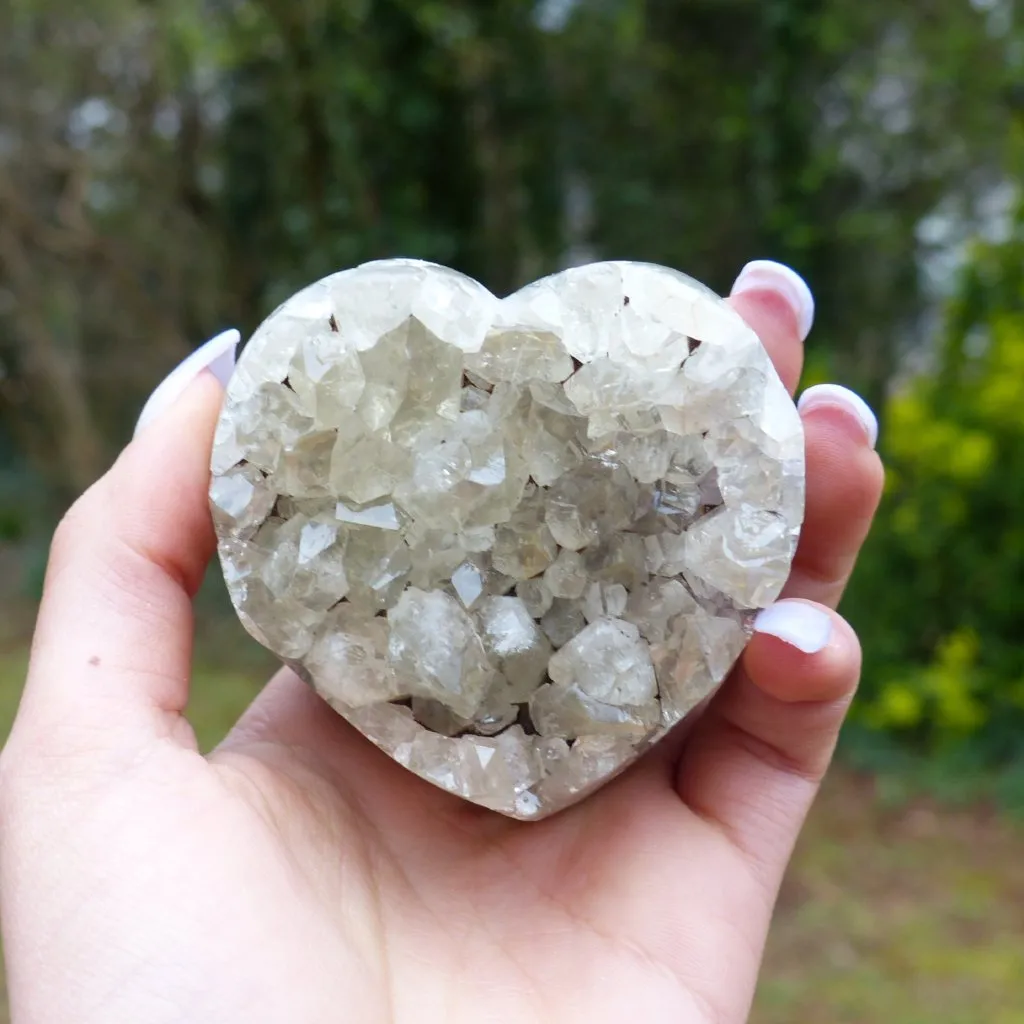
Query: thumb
x,y
111,655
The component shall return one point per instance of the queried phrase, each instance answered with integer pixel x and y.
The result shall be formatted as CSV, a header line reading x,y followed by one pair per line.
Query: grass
x,y
903,915
908,915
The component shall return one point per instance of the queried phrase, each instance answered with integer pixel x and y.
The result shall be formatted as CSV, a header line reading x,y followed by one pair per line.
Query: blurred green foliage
x,y
169,167
939,594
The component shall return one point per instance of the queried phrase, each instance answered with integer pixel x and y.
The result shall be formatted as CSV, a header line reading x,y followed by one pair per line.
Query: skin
x,y
297,874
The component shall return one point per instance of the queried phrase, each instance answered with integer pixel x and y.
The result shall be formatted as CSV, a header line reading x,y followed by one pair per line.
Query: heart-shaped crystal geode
x,y
512,541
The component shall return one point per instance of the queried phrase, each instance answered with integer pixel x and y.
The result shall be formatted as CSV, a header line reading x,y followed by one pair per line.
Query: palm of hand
x,y
324,879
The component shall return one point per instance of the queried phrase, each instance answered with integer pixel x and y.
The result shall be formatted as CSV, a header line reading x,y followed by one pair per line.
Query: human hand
x,y
298,874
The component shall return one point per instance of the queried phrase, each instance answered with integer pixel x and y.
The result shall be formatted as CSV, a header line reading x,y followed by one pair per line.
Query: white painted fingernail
x,y
801,625
217,356
777,277
838,397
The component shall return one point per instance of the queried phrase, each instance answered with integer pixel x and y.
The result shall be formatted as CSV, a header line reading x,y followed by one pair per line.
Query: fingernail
x,y
836,397
777,277
797,623
217,356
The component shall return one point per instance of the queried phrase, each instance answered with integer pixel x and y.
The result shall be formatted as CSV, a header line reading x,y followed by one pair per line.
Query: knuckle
x,y
8,777
88,541
14,773
76,525
47,761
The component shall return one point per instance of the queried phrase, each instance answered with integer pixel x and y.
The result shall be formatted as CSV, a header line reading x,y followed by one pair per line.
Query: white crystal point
x,y
435,652
512,541
609,662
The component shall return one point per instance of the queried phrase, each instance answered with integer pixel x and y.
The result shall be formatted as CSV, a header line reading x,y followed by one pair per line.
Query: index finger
x,y
111,656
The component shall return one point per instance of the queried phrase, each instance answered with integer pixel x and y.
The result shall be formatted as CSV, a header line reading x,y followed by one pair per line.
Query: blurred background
x,y
169,168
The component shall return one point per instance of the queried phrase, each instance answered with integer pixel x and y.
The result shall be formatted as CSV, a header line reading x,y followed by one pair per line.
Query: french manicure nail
x,y
838,397
777,277
217,356
797,623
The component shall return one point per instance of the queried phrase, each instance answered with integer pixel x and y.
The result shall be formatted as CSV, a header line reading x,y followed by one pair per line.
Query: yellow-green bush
x,y
939,595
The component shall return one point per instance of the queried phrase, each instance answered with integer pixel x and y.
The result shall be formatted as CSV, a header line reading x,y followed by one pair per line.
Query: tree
x,y
937,595
106,266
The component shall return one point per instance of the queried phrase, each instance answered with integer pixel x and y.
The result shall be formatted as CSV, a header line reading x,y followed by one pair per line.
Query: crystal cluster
x,y
512,541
